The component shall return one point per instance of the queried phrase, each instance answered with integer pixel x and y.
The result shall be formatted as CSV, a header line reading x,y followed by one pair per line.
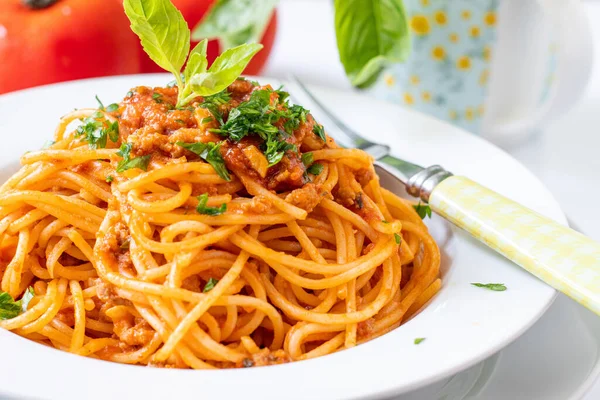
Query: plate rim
x,y
391,389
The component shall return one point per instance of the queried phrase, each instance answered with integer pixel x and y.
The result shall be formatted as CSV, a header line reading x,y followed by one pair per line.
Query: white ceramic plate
x,y
463,324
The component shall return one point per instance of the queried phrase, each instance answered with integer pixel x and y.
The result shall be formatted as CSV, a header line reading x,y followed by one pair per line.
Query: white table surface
x,y
565,155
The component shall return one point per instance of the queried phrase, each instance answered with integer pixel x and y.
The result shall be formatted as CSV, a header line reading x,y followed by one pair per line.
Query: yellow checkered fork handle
x,y
558,255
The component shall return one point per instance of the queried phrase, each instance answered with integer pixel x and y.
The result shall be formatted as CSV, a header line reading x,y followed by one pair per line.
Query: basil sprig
x,y
165,37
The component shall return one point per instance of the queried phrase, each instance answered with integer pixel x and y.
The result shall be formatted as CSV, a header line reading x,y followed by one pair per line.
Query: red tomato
x,y
193,11
64,40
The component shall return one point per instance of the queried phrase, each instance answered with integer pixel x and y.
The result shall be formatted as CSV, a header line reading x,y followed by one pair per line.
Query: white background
x,y
565,155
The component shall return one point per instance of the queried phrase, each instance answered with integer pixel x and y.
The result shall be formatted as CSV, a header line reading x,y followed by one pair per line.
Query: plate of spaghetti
x,y
146,235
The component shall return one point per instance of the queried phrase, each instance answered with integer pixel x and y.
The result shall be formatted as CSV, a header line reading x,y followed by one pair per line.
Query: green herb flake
x,y
384,221
157,97
496,287
206,120
307,159
96,129
202,208
419,340
100,105
180,121
211,153
112,107
398,238
128,163
109,178
129,94
315,169
210,285
260,117
319,131
423,210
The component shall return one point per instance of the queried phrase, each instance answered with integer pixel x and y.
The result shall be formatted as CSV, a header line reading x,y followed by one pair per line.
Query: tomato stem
x,y
38,4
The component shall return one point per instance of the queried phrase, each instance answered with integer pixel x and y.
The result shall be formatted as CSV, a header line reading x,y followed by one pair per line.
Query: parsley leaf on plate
x,y
419,340
497,287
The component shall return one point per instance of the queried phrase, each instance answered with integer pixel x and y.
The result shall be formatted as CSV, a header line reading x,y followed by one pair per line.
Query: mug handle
x,y
574,67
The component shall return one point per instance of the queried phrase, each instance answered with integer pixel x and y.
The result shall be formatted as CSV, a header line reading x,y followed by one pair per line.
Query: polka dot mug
x,y
499,68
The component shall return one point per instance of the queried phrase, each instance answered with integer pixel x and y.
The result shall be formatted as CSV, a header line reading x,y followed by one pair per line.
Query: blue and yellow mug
x,y
499,68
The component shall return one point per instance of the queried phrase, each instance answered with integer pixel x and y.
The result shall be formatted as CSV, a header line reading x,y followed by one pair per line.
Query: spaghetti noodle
x,y
171,259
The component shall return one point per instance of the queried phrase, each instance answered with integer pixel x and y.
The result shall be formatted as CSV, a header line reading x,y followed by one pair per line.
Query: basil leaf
x,y
370,34
9,308
210,152
202,208
197,62
235,22
496,287
163,32
224,71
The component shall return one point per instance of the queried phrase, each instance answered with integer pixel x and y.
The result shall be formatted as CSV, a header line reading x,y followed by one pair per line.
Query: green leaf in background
x,y
235,22
370,34
224,71
163,32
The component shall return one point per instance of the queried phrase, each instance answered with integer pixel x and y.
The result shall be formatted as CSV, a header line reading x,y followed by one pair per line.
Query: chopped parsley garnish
x,y
157,97
384,221
129,94
206,120
419,340
423,210
128,163
496,287
210,285
96,130
258,116
111,107
180,121
213,104
307,159
109,178
202,208
398,238
9,308
319,131
315,169
276,150
210,152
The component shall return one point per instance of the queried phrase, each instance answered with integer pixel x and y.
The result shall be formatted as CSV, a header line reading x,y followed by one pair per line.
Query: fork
x,y
559,256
